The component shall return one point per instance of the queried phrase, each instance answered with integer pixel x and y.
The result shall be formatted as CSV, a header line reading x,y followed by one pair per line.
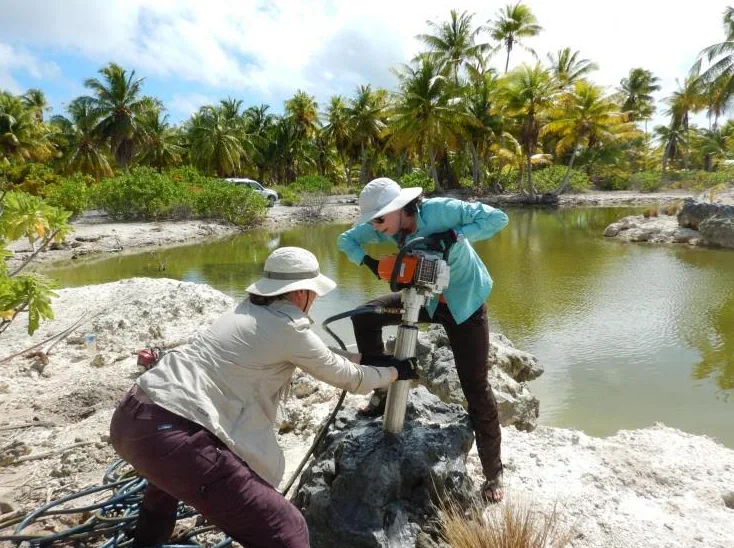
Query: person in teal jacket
x,y
389,213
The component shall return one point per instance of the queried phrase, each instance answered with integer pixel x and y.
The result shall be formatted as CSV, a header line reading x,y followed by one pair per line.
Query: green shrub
x,y
549,179
71,194
143,194
313,184
503,180
647,181
189,177
466,182
287,195
418,178
236,204
31,177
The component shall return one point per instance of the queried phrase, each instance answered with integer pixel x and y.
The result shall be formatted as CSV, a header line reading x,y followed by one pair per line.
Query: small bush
x,y
549,179
142,194
313,205
503,180
236,204
647,181
650,212
288,196
418,178
31,178
312,183
71,194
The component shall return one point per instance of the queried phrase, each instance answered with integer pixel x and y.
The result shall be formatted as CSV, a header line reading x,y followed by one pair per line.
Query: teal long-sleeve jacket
x,y
470,284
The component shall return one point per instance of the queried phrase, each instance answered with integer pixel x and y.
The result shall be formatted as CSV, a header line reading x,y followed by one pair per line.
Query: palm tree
x,y
567,68
118,104
425,115
672,138
84,150
513,24
303,110
686,99
258,126
527,93
714,144
338,130
453,42
485,123
35,100
22,138
230,108
636,90
585,116
365,116
161,147
716,100
720,59
287,151
216,142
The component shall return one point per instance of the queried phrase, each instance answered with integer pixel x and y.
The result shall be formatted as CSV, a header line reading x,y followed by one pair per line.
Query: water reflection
x,y
629,334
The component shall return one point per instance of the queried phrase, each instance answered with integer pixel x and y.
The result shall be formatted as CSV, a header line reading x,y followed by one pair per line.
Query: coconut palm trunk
x,y
529,167
476,166
567,176
434,172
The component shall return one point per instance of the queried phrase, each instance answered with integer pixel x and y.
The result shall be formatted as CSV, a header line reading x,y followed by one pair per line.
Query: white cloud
x,y
186,104
271,48
14,60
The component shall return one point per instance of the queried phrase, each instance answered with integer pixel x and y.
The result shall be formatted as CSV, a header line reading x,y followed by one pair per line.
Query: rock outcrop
x,y
697,223
368,489
509,371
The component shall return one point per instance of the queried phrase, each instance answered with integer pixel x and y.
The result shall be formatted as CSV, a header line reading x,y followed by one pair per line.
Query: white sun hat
x,y
382,196
290,269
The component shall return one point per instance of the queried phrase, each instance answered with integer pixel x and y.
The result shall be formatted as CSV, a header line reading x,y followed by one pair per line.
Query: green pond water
x,y
629,334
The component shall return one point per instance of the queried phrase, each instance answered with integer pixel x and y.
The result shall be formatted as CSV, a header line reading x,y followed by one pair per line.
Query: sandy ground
x,y
656,487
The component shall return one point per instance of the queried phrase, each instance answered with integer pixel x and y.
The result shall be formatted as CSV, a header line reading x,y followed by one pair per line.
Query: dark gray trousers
x,y
469,342
183,461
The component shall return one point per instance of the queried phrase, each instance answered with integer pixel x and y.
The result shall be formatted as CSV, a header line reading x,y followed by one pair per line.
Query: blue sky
x,y
197,52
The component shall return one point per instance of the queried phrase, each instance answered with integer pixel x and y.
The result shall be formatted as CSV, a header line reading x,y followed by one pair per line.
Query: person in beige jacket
x,y
200,424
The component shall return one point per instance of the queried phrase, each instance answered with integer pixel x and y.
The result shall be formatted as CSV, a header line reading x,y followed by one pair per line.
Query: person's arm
x,y
474,220
309,352
352,240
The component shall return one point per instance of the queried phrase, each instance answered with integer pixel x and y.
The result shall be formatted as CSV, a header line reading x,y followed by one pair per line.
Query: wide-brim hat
x,y
290,269
382,196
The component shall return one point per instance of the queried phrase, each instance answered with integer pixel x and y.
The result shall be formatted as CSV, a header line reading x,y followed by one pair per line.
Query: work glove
x,y
407,368
372,264
444,240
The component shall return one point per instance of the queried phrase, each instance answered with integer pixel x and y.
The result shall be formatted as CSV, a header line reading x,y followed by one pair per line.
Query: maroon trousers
x,y
469,342
183,461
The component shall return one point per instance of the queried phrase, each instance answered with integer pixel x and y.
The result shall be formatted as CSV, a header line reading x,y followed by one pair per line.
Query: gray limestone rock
x,y
509,369
718,230
693,213
366,488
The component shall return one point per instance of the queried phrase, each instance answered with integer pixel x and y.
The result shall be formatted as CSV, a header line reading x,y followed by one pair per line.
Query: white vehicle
x,y
270,195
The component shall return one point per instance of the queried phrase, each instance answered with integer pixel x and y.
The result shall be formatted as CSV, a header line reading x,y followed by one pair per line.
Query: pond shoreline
x,y
95,235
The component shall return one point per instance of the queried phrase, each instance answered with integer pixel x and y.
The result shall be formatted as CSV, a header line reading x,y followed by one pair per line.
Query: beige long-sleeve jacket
x,y
231,377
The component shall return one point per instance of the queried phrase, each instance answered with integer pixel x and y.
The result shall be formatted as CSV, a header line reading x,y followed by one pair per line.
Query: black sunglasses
x,y
378,220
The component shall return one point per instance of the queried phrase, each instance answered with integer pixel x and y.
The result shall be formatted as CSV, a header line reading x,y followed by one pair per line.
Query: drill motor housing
x,y
427,272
